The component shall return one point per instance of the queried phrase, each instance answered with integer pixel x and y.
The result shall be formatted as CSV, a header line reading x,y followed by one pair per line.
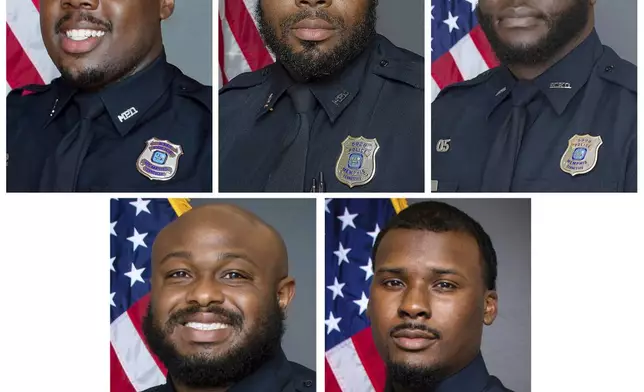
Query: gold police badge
x,y
159,159
581,155
357,162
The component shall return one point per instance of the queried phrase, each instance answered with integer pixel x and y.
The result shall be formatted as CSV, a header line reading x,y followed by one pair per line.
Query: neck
x,y
532,71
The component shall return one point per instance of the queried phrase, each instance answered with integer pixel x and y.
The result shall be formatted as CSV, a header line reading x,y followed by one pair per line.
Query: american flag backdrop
x,y
27,58
134,224
351,226
240,46
460,50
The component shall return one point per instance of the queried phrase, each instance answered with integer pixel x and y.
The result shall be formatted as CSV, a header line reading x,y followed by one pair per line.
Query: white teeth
x,y
83,34
206,327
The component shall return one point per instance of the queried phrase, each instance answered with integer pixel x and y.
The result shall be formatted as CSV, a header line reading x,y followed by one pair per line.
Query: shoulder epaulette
x,y
303,378
247,79
29,89
481,78
191,88
617,70
395,63
411,73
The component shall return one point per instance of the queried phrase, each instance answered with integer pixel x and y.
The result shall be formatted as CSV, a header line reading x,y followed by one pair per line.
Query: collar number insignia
x,y
159,159
357,162
126,115
560,85
581,155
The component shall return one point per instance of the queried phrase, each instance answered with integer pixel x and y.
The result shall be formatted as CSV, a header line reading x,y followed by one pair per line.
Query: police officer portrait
x,y
428,295
203,295
327,97
535,96
102,103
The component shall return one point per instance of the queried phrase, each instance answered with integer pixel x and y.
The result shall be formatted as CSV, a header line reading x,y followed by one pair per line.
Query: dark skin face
x,y
129,37
433,281
217,256
526,23
325,34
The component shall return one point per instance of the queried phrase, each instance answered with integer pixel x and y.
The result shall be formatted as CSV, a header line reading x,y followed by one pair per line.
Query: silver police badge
x,y
581,155
159,159
357,162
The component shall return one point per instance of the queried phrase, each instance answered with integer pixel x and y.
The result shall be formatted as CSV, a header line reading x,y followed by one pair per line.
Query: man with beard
x,y
120,118
559,113
340,110
433,289
220,289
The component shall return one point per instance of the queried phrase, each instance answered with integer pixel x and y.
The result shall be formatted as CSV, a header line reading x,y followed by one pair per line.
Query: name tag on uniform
x,y
581,155
357,162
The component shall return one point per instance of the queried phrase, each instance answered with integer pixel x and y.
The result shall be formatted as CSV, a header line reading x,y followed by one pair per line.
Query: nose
x,y
415,304
82,4
205,292
313,3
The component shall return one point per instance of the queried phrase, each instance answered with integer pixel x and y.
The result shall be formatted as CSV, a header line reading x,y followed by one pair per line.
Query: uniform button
x,y
308,383
610,68
384,63
183,88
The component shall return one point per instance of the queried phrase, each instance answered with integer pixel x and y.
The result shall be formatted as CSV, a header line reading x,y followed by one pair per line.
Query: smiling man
x,y
220,290
558,115
340,110
433,290
120,118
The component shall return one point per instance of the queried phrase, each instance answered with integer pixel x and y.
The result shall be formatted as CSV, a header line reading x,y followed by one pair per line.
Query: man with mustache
x,y
120,118
559,113
220,289
433,289
341,110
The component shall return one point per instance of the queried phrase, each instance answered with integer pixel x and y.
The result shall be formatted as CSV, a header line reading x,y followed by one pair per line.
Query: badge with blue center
x,y
159,160
581,155
357,162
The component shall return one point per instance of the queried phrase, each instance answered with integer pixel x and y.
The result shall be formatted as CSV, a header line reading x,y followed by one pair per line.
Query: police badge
x,y
159,159
581,155
357,162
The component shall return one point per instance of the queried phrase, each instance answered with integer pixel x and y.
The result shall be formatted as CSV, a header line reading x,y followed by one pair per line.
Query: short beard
x,y
414,378
103,74
562,29
203,371
311,63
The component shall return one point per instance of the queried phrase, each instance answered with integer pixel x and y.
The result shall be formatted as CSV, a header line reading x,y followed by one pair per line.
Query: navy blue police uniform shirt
x,y
276,375
580,129
473,378
154,133
374,107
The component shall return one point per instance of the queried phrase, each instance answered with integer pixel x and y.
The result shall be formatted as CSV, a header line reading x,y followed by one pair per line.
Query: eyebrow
x,y
403,271
221,256
231,255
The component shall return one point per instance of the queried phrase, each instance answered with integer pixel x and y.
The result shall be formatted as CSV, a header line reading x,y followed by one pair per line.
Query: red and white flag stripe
x,y
134,367
241,48
27,58
355,365
468,58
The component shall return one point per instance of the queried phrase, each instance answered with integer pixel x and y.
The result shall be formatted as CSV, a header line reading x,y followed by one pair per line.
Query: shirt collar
x,y
127,100
563,80
559,83
334,93
472,378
